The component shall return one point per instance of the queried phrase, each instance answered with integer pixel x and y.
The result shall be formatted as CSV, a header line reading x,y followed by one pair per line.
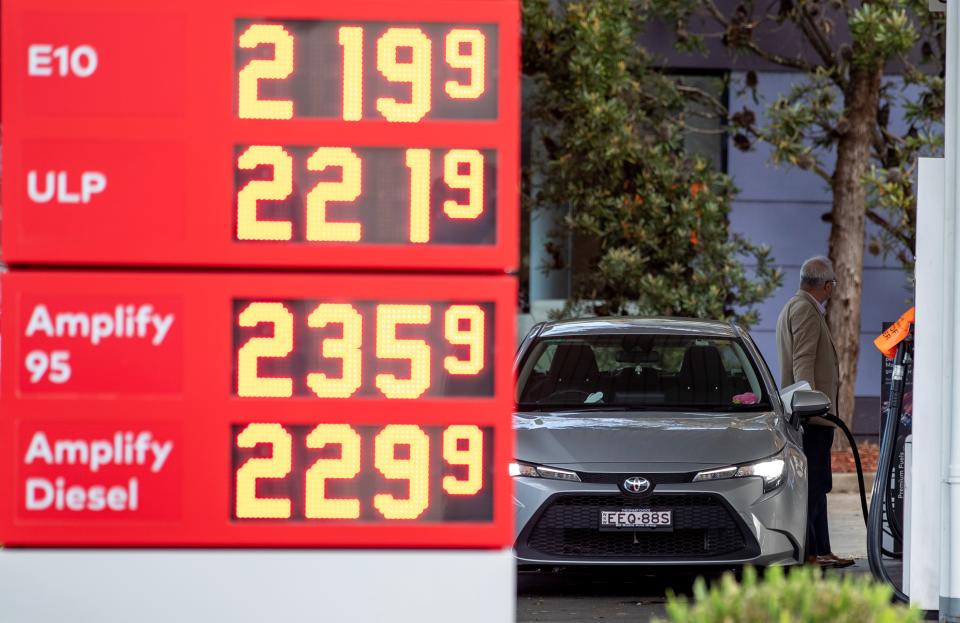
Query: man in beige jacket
x,y
807,353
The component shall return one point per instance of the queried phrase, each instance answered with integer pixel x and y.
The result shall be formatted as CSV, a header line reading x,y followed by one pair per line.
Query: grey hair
x,y
816,271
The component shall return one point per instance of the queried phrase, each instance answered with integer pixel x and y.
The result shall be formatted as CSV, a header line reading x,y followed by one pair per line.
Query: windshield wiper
x,y
536,406
714,407
593,407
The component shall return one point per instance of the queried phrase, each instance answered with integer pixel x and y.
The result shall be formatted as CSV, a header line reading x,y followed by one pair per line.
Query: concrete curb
x,y
847,483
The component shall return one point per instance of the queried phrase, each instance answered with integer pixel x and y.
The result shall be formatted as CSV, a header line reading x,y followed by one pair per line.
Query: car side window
x,y
731,362
542,366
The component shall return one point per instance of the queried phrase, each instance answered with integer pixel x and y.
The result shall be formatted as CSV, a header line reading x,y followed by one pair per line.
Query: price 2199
x,y
404,56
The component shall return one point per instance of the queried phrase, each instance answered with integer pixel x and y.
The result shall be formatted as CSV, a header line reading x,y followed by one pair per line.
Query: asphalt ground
x,y
625,594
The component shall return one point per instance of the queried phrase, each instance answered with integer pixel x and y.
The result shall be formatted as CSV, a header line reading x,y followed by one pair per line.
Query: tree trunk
x,y
847,232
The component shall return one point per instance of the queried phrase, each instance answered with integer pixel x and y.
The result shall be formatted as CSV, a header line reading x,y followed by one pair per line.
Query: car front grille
x,y
704,527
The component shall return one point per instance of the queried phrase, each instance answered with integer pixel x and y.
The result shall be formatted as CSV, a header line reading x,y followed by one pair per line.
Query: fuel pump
x,y
898,342
895,499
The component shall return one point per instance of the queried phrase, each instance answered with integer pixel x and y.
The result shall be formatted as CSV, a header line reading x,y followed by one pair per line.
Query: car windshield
x,y
637,371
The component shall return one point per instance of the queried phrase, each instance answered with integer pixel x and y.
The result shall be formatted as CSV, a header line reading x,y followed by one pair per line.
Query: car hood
x,y
653,441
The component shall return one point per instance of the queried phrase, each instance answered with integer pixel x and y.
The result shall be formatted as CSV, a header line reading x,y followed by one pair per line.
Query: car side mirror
x,y
806,404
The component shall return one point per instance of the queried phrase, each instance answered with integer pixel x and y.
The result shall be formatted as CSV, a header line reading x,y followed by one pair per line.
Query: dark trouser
x,y
817,441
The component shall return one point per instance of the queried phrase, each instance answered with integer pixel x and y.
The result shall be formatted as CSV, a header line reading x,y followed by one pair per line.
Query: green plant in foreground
x,y
802,596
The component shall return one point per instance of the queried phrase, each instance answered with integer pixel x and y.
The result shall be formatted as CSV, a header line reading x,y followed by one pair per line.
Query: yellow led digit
x,y
417,72
471,181
470,456
472,337
277,68
347,349
347,189
351,39
249,227
475,60
416,351
418,161
278,465
415,468
318,505
249,382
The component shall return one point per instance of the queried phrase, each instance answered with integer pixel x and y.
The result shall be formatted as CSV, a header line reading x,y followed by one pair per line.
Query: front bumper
x,y
740,524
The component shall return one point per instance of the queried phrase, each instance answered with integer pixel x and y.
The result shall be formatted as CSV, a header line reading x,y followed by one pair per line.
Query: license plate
x,y
638,519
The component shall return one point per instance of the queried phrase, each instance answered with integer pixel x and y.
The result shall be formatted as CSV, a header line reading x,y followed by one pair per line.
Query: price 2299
x,y
401,452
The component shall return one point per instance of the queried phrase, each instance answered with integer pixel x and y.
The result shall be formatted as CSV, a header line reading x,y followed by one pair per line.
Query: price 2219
x,y
463,172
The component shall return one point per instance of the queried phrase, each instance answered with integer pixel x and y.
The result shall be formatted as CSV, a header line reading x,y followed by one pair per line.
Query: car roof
x,y
639,325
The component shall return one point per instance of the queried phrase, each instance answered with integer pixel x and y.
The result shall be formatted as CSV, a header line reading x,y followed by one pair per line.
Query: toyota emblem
x,y
636,484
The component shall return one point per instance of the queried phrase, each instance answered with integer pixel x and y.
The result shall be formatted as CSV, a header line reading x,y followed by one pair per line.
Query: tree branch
x,y
889,227
890,138
753,47
879,145
706,98
781,60
816,38
908,65
815,167
704,131
717,13
823,173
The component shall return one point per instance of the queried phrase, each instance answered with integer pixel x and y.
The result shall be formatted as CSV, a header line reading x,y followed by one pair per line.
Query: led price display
x,y
400,73
398,350
332,472
373,195
376,135
255,409
261,299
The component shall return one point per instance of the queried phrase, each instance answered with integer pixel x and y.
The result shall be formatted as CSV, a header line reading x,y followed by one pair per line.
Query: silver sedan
x,y
655,441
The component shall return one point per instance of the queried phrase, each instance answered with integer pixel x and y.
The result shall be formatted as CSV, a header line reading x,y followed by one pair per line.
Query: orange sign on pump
x,y
897,332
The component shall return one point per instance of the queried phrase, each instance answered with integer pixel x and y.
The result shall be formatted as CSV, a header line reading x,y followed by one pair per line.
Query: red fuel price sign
x,y
255,409
377,135
213,387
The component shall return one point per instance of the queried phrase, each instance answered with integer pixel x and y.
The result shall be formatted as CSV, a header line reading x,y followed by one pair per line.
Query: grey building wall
x,y
782,207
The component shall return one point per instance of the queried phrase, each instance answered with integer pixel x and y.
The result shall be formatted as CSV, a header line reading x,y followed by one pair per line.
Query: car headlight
x,y
530,470
771,469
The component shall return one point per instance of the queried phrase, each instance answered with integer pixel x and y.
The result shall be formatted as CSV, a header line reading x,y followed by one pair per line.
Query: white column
x,y
922,548
950,512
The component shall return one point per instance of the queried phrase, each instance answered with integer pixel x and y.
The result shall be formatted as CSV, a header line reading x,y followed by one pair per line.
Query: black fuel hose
x,y
856,459
862,485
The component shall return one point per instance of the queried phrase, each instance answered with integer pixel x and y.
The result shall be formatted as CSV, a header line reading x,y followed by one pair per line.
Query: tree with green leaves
x,y
611,128
840,108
